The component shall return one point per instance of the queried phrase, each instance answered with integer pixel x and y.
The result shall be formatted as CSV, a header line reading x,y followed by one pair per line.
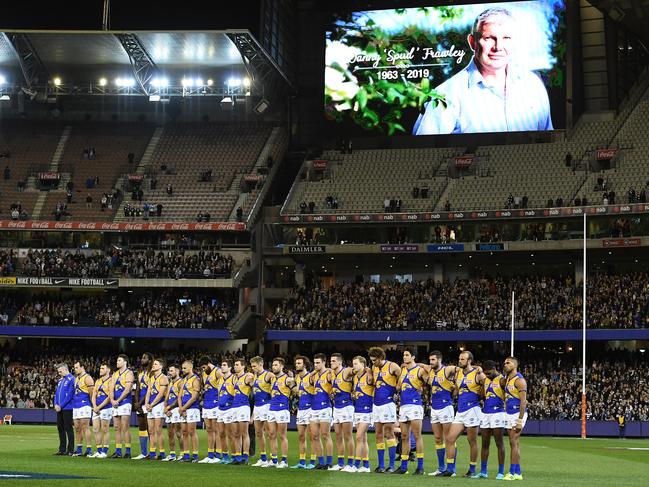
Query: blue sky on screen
x,y
533,19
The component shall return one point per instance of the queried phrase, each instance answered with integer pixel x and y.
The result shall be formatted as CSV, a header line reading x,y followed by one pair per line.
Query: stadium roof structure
x,y
43,64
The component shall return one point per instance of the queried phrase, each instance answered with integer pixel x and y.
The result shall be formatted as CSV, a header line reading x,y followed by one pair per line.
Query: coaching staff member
x,y
63,406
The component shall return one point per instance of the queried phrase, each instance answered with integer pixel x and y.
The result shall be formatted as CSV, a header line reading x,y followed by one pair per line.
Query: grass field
x,y
546,461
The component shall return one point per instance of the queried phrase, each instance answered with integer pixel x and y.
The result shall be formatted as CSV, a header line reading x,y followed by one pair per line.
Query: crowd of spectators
x,y
149,310
614,301
174,264
129,263
613,388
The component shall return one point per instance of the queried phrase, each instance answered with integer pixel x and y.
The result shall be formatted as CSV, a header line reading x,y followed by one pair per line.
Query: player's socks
x,y
441,456
226,456
172,454
88,450
321,461
186,455
330,460
450,465
105,449
284,459
512,468
152,453
273,458
195,455
210,453
420,461
501,469
483,467
144,442
245,457
313,459
237,456
263,456
161,454
472,467
518,469
357,462
366,462
302,459
218,454
350,461
392,451
79,449
341,461
380,450
127,447
404,462
118,449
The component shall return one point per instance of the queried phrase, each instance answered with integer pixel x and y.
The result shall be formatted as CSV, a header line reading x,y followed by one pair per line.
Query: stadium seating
x,y
185,151
30,146
112,143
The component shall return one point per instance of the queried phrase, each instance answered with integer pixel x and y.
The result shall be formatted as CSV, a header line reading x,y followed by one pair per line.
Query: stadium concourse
x,y
441,271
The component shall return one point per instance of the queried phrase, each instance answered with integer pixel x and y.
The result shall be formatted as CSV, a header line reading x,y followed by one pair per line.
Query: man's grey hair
x,y
489,15
62,364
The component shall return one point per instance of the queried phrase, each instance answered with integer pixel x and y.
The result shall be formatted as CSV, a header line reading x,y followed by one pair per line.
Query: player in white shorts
x,y
261,392
515,407
305,392
82,409
279,414
441,379
189,412
469,381
224,415
321,418
210,412
171,412
122,402
363,398
493,419
386,374
154,406
102,412
241,411
411,411
343,414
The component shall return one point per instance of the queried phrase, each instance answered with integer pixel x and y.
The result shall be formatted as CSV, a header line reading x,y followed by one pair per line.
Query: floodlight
x,y
234,82
187,82
160,82
3,80
246,82
154,97
102,81
199,82
57,81
210,82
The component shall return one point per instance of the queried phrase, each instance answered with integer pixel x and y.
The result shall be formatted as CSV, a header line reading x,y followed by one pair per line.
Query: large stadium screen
x,y
475,68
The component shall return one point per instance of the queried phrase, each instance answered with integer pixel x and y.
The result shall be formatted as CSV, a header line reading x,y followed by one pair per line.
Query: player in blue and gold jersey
x,y
516,413
343,413
262,393
141,387
469,381
243,382
441,379
121,399
224,417
279,413
493,419
154,405
189,411
386,374
321,415
363,405
82,409
305,390
211,384
411,409
102,411
171,412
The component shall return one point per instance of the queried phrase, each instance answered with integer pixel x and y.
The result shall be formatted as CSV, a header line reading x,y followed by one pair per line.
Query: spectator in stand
x,y
159,210
447,206
311,207
170,190
7,173
559,202
88,201
239,214
386,205
631,196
